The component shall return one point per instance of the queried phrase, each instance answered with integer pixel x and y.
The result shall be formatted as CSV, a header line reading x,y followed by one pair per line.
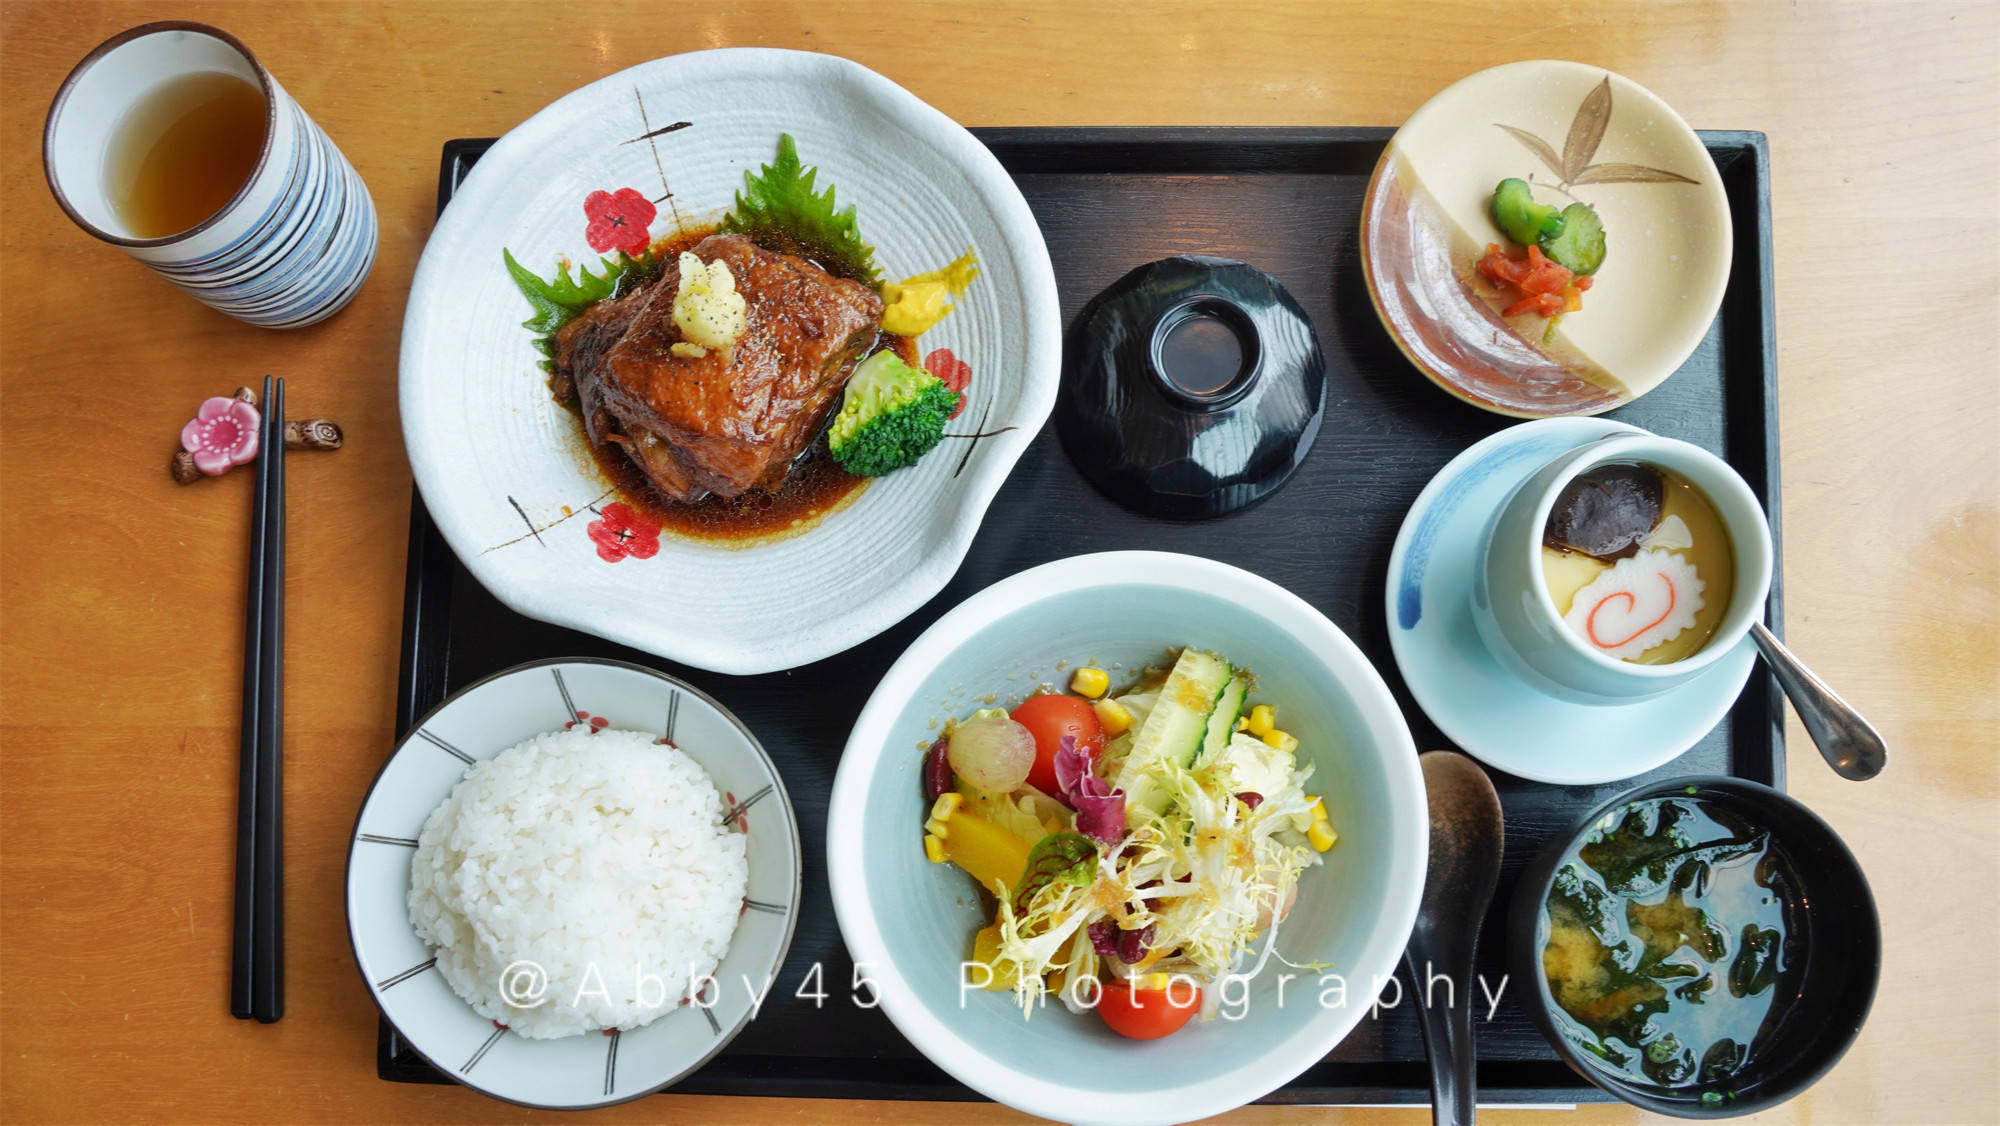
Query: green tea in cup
x,y
183,153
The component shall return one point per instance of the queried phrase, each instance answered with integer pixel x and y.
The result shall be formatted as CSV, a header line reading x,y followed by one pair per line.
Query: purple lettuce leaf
x,y
1100,810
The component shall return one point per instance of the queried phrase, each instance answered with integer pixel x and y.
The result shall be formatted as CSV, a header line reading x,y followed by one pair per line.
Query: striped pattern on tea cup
x,y
292,245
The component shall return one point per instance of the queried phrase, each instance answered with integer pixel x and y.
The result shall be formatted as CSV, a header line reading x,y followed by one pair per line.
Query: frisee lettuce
x,y
780,210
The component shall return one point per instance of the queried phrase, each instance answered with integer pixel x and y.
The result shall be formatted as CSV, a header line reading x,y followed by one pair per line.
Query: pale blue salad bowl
x,y
909,923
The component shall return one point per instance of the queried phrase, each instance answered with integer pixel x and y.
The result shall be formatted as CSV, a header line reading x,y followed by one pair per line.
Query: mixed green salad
x,y
1138,846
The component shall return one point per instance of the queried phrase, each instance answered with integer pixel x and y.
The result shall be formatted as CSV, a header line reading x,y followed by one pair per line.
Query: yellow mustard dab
x,y
915,305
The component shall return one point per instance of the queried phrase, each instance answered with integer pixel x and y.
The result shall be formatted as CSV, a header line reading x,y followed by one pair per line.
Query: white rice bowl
x,y
578,882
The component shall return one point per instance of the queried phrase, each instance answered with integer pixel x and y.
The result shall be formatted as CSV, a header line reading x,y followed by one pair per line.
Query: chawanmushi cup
x,y
1517,616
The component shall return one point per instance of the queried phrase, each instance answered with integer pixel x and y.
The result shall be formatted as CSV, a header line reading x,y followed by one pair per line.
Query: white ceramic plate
x,y
1481,706
908,922
503,468
480,721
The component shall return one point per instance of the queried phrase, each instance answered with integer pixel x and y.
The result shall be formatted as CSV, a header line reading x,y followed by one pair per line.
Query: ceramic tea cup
x,y
1517,615
294,242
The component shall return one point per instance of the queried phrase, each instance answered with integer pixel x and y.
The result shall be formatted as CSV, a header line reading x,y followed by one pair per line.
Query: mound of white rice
x,y
601,859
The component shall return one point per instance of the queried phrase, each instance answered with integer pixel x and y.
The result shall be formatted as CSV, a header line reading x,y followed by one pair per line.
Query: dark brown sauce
x,y
819,254
815,486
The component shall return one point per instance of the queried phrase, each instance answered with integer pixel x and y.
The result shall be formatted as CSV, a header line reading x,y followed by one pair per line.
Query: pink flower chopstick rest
x,y
222,435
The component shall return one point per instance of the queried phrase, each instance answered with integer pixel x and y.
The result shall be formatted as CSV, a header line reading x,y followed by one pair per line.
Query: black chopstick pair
x,y
257,968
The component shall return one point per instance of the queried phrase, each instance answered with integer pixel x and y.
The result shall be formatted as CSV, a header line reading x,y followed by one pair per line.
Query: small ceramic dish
x,y
476,723
504,469
1481,704
1194,387
1834,955
909,922
1576,133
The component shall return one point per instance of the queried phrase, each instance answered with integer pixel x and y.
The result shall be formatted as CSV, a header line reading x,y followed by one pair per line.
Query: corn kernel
x,y
1152,982
1319,809
1322,836
947,804
1262,722
1112,716
933,849
1242,723
1090,682
938,829
1280,740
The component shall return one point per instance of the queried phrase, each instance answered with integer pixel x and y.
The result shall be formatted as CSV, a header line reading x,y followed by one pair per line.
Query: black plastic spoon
x,y
1466,835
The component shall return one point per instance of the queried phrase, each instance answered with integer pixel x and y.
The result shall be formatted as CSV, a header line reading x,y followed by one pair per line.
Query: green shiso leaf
x,y
781,211
561,299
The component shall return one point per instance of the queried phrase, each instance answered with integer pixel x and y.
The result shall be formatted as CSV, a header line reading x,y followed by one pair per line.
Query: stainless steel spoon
x,y
1466,835
1848,743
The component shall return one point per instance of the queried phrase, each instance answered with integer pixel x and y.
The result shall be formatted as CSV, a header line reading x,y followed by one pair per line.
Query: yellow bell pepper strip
x,y
990,854
986,950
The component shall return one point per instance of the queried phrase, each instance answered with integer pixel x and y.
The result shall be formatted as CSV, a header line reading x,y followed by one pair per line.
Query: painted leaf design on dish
x,y
1617,172
1537,146
1586,130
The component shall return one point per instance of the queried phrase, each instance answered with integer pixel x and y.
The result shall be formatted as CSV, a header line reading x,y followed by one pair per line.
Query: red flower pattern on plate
x,y
618,221
595,723
742,818
956,374
622,532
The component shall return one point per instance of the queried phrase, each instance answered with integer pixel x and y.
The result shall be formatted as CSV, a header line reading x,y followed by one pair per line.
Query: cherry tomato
x,y
1148,1014
1048,718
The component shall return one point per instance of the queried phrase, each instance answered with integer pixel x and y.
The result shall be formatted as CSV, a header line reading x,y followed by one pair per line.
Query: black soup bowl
x,y
1733,894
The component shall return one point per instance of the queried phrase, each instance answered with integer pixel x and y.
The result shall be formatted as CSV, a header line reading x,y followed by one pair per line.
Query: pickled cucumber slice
x,y
1519,217
1580,245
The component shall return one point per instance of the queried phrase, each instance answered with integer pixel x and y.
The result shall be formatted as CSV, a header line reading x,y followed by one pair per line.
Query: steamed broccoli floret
x,y
893,414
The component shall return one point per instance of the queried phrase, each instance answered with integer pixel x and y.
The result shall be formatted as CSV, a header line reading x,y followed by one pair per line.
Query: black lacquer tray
x,y
1289,202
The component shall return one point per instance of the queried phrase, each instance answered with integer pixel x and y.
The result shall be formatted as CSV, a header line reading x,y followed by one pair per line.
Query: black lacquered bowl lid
x,y
1191,387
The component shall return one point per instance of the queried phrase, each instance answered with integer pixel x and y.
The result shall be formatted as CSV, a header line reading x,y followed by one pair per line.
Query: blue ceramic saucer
x,y
1478,704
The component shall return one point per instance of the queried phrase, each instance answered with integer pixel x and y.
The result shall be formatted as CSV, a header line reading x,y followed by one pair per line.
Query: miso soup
x,y
1638,563
1672,946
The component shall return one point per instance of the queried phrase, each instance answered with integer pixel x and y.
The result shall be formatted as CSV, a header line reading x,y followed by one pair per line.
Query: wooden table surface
x,y
120,625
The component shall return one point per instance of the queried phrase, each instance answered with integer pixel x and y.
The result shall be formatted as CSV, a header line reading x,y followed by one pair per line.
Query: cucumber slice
x,y
1177,728
1222,721
1519,217
1580,245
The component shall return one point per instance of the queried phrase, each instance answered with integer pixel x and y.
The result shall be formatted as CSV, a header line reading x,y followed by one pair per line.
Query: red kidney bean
x,y
1103,937
937,771
1251,798
1133,945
